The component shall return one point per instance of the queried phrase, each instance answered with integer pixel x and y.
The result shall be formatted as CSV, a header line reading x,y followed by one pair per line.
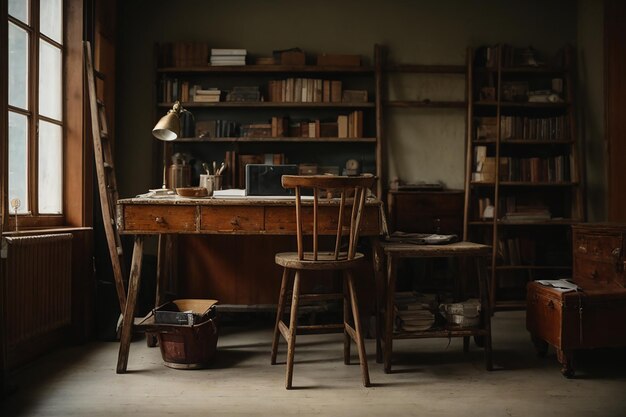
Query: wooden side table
x,y
395,251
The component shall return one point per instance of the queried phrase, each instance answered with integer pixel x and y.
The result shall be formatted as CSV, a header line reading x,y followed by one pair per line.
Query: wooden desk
x,y
396,251
246,216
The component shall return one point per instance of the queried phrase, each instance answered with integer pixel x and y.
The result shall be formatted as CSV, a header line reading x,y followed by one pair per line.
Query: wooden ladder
x,y
105,171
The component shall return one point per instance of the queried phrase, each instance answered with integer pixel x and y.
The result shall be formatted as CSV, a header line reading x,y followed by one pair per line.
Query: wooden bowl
x,y
192,192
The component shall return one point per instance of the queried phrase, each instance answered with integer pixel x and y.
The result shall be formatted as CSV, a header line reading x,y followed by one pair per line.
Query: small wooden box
x,y
599,254
292,58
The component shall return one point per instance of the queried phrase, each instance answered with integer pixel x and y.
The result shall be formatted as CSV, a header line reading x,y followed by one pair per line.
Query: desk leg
x,y
392,264
131,302
160,272
379,289
483,284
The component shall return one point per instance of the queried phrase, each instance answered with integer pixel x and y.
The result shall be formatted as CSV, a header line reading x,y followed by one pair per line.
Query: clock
x,y
352,167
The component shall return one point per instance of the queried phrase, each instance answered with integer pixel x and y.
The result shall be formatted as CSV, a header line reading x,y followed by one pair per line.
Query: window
x,y
35,109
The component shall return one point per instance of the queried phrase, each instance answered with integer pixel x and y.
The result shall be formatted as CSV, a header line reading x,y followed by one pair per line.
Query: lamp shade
x,y
168,127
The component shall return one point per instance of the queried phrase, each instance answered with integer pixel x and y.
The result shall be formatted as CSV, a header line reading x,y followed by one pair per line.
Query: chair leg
x,y
279,314
346,321
357,327
293,324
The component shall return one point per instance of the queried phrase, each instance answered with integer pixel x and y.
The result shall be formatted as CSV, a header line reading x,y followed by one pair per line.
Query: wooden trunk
x,y
592,317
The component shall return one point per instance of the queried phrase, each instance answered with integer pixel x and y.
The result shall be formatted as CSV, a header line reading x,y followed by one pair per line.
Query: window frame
x,y
76,151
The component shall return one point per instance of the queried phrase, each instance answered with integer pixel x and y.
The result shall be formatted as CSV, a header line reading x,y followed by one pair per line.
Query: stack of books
x,y
211,95
244,93
228,57
413,313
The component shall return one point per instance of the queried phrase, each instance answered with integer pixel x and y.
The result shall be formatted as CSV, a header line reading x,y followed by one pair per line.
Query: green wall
x,y
421,144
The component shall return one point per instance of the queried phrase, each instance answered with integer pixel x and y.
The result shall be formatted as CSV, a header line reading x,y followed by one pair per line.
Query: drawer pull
x,y
159,220
582,248
234,222
551,304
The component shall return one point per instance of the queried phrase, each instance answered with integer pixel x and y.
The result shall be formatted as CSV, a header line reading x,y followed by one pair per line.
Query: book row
x,y
539,170
346,126
291,90
309,90
530,212
524,128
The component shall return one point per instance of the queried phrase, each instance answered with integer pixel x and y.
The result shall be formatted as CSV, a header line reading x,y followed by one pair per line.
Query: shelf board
x,y
560,222
522,104
277,139
524,184
524,141
442,332
534,70
267,69
427,69
270,104
532,267
537,184
525,70
426,103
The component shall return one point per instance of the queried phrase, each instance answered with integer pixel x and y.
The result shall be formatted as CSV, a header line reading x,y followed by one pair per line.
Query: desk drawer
x,y
283,220
226,219
159,218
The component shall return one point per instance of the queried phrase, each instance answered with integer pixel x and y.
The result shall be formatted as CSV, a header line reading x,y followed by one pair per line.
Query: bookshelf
x,y
523,187
272,115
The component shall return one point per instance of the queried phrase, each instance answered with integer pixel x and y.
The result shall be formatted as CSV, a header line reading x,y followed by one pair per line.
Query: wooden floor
x,y
431,378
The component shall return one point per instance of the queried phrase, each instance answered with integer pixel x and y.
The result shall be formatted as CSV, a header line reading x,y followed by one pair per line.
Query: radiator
x,y
38,287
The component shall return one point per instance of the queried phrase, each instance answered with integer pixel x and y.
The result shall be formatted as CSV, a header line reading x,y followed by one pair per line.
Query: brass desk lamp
x,y
167,129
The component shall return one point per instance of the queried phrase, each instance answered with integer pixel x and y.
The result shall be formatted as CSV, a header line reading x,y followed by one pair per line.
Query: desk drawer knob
x,y
234,221
159,220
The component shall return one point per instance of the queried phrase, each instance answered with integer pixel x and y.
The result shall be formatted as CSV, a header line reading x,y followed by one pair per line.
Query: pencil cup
x,y
211,182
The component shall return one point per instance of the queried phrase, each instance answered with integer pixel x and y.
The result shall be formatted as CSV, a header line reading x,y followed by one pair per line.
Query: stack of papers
x,y
561,285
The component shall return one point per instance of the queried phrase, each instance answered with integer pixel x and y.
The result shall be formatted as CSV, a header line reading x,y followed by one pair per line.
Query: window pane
x,y
50,168
51,19
18,66
50,81
19,9
18,160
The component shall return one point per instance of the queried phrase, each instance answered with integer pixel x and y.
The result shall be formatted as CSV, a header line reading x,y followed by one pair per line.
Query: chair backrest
x,y
331,192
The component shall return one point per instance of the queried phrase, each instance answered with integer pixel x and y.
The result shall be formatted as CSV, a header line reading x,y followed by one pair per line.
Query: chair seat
x,y
325,261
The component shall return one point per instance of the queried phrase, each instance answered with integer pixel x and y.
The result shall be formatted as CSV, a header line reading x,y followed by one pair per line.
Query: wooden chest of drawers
x,y
426,211
599,255
593,317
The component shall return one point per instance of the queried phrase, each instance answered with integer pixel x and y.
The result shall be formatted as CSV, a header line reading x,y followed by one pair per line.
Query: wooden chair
x,y
340,194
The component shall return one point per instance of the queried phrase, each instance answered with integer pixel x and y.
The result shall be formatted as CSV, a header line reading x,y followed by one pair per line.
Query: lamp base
x,y
161,191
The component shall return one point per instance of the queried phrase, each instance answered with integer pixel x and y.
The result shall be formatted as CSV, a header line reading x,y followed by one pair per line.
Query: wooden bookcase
x,y
294,149
217,270
523,181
